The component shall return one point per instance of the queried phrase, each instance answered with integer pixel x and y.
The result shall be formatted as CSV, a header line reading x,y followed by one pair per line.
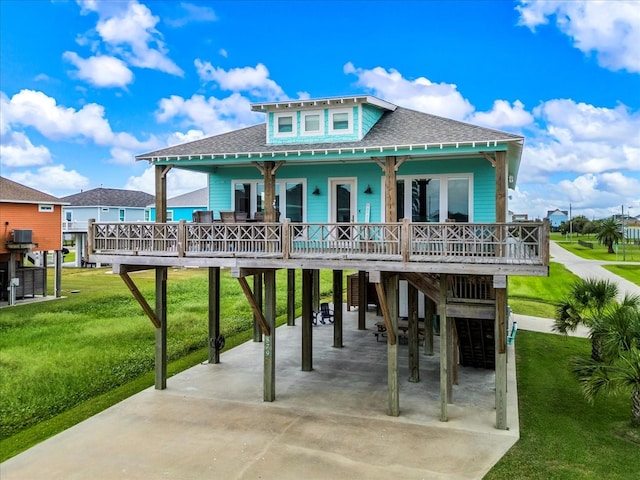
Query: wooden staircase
x,y
476,342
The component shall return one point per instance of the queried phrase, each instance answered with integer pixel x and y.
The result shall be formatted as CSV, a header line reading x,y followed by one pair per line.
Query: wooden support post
x,y
501,356
214,313
307,317
269,192
316,291
257,293
363,287
161,330
429,313
444,350
337,308
57,284
414,341
291,297
391,283
270,339
451,357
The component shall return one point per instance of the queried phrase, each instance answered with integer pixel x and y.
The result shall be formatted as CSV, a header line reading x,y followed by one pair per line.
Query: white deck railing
x,y
522,242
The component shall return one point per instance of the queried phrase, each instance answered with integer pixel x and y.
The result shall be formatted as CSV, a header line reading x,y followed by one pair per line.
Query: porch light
x,y
316,191
368,190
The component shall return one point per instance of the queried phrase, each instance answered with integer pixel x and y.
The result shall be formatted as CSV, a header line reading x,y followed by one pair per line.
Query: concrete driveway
x,y
330,423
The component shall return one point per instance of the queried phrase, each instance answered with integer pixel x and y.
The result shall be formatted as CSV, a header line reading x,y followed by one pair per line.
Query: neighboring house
x,y
411,201
31,227
102,205
556,217
520,217
182,207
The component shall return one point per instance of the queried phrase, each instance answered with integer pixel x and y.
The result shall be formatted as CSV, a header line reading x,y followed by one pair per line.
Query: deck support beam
x,y
257,293
444,350
291,297
429,313
257,311
270,337
214,313
363,301
307,316
501,354
337,308
391,284
161,330
414,340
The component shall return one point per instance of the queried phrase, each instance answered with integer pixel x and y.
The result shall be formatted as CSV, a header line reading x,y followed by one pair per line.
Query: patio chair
x,y
228,216
325,315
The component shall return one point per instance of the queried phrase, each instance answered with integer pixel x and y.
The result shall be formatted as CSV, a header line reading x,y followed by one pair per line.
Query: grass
x,y
64,360
599,252
629,272
538,296
561,435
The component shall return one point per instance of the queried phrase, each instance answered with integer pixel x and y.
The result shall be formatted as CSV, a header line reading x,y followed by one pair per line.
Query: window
x,y
147,215
312,123
169,216
294,197
121,214
248,196
68,216
435,199
45,208
341,121
285,125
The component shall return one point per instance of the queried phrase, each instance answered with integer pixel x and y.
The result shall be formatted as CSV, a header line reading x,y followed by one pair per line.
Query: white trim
x,y
294,125
281,191
308,113
46,208
331,182
346,131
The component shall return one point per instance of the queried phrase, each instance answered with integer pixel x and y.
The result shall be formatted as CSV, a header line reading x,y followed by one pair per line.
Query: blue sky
x,y
87,85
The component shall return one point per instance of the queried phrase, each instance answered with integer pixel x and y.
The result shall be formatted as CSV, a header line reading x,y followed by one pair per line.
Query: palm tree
x,y
608,233
587,298
619,370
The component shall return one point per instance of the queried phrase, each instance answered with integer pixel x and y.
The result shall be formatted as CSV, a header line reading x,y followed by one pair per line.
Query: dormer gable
x,y
324,120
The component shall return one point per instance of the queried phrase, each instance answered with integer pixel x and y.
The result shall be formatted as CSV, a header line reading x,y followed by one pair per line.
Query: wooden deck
x,y
479,248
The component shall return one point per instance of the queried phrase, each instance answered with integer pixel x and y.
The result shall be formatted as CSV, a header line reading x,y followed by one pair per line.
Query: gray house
x,y
101,204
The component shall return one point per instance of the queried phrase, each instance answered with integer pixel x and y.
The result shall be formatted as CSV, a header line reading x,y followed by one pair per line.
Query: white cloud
x,y
16,150
52,179
193,13
212,115
255,81
178,138
101,70
503,115
582,138
129,32
178,181
30,108
611,29
421,94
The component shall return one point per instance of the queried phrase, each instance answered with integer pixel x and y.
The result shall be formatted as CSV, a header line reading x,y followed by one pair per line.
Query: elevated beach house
x,y
414,203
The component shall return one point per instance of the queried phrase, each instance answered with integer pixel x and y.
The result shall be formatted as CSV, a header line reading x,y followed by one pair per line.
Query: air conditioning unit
x,y
22,236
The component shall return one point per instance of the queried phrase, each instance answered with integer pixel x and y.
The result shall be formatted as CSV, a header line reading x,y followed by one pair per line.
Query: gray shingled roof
x,y
110,197
197,198
13,192
400,127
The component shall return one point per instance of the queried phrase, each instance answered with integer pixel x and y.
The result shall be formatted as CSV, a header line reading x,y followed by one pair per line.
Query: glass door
x,y
343,205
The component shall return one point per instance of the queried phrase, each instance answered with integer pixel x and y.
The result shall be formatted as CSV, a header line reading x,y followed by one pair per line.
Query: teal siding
x,y
297,139
366,174
370,115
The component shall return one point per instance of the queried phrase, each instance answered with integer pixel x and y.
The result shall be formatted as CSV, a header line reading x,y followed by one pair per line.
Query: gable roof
x,y
197,198
401,127
111,197
557,211
14,192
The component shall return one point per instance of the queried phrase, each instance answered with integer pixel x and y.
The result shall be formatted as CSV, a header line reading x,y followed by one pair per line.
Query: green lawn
x,y
630,272
599,252
538,296
561,435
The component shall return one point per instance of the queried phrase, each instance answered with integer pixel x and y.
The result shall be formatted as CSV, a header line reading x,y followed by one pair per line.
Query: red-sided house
x,y
31,223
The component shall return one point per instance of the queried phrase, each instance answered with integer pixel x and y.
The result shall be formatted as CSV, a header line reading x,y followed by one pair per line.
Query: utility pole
x,y
624,250
570,226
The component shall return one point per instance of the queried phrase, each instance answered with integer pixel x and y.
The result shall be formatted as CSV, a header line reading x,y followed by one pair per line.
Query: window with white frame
x,y
248,196
435,198
341,121
285,125
312,123
121,216
45,208
169,216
